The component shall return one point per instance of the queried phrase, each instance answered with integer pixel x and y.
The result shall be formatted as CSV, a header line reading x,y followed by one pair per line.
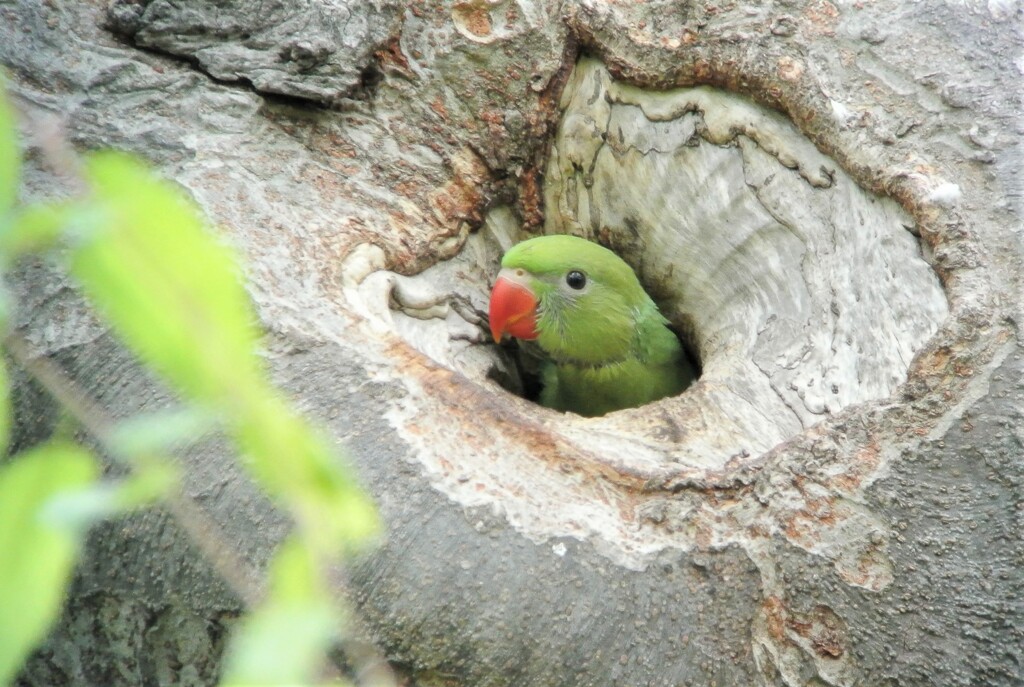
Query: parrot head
x,y
579,301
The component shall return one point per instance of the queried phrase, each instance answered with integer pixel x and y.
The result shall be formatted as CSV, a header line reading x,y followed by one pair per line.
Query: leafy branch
x,y
174,296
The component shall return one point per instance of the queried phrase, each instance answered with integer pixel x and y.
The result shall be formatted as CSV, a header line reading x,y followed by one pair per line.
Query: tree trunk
x,y
825,201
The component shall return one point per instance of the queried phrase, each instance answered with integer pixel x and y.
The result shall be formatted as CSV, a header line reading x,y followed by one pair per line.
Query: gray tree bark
x,y
825,200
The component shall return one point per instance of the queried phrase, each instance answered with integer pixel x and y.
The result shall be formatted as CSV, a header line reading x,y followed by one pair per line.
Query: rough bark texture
x,y
836,502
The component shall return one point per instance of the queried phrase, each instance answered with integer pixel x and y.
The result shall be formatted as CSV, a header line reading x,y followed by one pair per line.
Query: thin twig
x,y
366,657
201,529
369,663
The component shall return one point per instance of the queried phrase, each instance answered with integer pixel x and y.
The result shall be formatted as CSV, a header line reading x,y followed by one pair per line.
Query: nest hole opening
x,y
795,292
519,373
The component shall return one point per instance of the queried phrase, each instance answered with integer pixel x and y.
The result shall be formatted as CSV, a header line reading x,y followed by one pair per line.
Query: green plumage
x,y
607,345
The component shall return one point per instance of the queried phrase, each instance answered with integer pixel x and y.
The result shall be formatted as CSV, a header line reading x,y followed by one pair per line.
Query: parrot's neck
x,y
561,361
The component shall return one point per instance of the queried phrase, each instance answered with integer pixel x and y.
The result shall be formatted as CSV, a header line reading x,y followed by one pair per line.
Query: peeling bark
x,y
824,198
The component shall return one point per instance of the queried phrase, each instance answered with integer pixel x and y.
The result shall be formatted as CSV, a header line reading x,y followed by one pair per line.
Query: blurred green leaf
x,y
38,553
80,509
175,296
169,288
10,155
160,431
285,640
150,481
286,453
37,227
5,409
6,306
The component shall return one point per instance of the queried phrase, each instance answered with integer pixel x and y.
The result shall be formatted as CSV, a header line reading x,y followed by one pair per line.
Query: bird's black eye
x,y
576,279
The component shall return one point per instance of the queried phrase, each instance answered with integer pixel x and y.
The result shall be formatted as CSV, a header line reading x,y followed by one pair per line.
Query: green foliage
x,y
171,291
160,431
175,296
285,639
9,157
38,542
36,228
5,409
291,459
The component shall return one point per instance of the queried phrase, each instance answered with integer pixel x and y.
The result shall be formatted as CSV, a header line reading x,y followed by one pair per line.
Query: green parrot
x,y
606,345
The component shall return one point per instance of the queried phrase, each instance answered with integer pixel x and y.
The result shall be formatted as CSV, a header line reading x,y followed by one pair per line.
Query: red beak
x,y
513,310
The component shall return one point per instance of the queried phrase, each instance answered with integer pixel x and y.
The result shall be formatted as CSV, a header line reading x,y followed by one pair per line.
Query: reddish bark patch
x,y
531,197
462,198
821,18
390,57
474,18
